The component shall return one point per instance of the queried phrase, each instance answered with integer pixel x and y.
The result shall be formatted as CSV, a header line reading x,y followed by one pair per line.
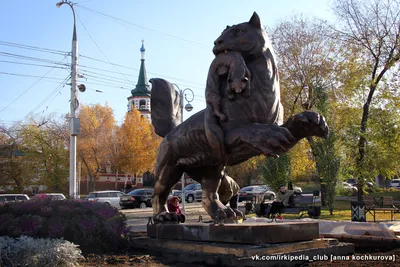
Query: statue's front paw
x,y
166,217
225,215
308,123
239,214
276,142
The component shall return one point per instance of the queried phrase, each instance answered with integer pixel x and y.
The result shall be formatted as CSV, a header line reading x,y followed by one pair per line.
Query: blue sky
x,y
178,37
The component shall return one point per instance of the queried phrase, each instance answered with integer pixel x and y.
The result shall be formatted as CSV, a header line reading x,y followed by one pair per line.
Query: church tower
x,y
140,96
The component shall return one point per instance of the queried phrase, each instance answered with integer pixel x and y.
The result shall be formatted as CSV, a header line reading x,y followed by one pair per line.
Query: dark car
x,y
247,193
138,198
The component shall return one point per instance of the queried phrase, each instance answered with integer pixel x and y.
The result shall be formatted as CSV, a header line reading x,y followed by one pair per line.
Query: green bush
x,y
93,226
340,191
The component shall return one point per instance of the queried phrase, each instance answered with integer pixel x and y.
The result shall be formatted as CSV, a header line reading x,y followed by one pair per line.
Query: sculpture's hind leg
x,y
166,180
167,175
210,179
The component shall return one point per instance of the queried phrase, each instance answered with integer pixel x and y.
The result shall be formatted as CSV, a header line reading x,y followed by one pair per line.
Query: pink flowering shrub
x,y
93,226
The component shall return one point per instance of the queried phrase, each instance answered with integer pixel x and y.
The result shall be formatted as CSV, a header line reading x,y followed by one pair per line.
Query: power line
x,y
29,76
30,87
100,48
114,19
5,54
58,88
98,60
31,64
34,48
158,74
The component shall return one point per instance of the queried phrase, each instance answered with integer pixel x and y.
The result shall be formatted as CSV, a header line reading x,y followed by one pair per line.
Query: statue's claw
x,y
239,215
306,124
226,215
166,218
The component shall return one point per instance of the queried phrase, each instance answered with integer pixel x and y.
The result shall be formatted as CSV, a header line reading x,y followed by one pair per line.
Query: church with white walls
x,y
140,96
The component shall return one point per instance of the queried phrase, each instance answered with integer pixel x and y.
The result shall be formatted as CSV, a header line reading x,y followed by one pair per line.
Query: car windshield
x,y
247,189
92,195
190,187
137,192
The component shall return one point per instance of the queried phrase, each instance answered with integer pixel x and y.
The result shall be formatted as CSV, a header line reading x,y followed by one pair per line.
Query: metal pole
x,y
78,187
183,174
74,126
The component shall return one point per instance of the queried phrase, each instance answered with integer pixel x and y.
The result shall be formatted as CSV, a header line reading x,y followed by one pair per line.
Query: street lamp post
x,y
188,108
74,123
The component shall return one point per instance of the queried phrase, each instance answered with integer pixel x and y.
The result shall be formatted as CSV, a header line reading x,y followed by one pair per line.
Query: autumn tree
x,y
246,172
276,171
373,26
46,151
97,126
12,168
308,59
139,145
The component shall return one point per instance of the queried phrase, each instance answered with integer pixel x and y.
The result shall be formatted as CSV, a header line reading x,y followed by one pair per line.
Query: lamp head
x,y
188,107
82,88
59,4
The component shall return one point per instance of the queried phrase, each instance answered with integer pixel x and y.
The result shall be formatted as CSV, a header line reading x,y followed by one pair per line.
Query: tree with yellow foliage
x,y
97,125
138,144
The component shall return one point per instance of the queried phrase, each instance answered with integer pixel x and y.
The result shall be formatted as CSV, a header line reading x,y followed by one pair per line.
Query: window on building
x,y
142,104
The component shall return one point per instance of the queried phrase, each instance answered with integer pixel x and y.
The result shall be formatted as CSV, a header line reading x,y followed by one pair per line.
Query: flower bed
x,y
92,226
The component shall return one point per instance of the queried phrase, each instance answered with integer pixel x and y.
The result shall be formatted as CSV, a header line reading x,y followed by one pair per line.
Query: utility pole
x,y
74,121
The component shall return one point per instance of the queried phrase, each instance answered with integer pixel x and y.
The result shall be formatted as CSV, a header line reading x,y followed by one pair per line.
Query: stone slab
x,y
237,233
230,254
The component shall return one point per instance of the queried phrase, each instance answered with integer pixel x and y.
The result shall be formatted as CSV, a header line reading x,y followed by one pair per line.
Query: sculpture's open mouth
x,y
218,50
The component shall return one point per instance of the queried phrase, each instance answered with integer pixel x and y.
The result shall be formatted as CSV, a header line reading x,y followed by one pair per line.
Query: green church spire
x,y
142,87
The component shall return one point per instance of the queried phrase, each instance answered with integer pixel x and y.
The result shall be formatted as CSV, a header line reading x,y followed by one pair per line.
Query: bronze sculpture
x,y
232,64
203,145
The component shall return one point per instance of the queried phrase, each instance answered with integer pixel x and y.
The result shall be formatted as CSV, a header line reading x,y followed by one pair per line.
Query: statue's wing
x,y
165,106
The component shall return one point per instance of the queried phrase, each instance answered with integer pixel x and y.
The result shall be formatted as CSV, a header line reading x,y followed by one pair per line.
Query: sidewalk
x,y
382,229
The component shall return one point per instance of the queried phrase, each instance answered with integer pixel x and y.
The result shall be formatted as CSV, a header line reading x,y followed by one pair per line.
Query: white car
x,y
5,198
395,183
268,193
348,186
53,196
111,197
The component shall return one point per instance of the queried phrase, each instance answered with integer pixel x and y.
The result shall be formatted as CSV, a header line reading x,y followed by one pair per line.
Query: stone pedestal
x,y
237,233
247,244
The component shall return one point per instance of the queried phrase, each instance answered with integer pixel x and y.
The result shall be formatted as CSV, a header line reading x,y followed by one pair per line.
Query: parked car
x,y
192,192
247,193
53,196
138,198
110,197
5,198
352,181
171,194
268,193
348,186
395,183
297,189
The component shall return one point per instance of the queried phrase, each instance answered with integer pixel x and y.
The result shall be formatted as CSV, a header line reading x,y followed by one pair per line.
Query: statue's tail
x,y
165,106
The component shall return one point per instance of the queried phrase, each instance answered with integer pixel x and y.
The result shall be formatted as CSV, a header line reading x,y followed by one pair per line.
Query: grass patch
x,y
342,212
